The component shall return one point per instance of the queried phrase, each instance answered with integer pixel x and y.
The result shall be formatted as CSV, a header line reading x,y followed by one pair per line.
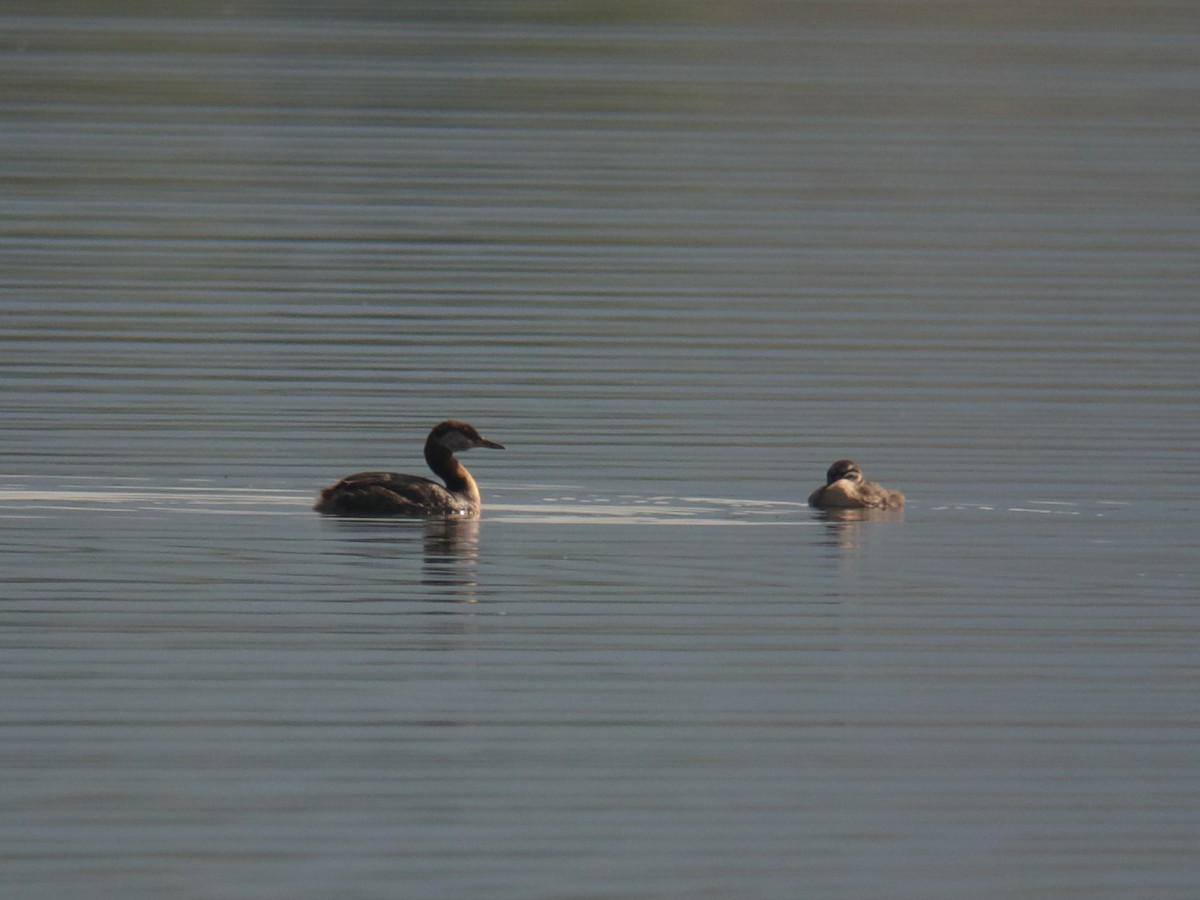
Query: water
x,y
677,264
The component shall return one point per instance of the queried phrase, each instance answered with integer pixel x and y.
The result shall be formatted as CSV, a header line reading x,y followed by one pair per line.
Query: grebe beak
x,y
484,442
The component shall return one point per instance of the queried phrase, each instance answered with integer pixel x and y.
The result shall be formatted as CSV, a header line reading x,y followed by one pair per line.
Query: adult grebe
x,y
386,493
845,488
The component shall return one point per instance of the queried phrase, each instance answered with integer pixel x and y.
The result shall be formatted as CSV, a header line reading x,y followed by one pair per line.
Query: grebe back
x,y
389,493
845,488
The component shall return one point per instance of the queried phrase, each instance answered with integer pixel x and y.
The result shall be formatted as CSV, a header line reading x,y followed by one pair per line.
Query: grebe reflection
x,y
845,488
388,493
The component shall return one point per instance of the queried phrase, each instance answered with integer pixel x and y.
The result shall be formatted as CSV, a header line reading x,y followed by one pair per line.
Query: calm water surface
x,y
677,266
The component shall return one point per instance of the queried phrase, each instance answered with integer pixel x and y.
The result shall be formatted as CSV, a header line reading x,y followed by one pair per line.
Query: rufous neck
x,y
447,467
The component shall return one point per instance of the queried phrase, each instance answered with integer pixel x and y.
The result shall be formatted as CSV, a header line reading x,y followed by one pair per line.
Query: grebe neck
x,y
447,467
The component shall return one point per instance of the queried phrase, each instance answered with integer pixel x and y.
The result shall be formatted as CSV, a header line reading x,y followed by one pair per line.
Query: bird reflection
x,y
448,548
842,525
451,547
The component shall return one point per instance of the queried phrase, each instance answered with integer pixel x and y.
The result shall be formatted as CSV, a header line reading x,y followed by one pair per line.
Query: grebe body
x,y
388,493
845,488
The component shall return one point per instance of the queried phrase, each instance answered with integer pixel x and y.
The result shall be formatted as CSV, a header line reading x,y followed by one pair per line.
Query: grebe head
x,y
843,469
455,436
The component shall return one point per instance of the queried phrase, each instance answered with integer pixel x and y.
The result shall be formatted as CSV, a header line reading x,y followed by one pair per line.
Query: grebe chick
x,y
845,488
389,494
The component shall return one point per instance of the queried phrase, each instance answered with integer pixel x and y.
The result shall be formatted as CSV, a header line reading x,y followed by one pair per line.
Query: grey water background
x,y
678,260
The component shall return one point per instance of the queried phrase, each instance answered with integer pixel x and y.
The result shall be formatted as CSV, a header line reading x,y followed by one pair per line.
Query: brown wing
x,y
385,493
876,495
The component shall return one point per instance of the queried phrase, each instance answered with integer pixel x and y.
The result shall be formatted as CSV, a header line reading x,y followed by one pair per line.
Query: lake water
x,y
677,261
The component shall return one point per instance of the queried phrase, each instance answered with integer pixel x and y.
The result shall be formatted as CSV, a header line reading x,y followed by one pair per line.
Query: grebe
x,y
386,493
845,488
